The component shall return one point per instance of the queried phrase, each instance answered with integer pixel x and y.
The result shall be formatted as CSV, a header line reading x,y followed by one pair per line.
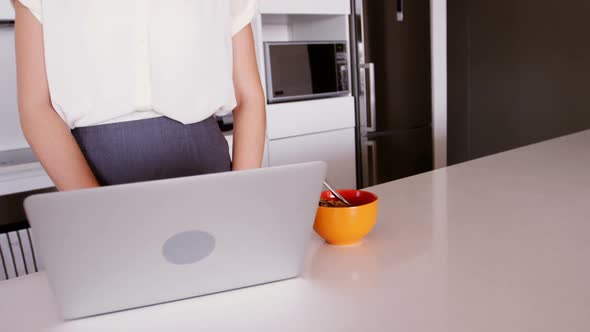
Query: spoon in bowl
x,y
336,194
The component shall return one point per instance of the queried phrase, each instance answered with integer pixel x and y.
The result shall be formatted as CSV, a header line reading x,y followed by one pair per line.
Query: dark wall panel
x,y
522,73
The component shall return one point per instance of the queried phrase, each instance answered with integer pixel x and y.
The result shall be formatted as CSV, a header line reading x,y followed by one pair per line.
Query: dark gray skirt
x,y
153,149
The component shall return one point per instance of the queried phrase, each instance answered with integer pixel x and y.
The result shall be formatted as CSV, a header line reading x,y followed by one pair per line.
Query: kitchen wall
x,y
10,133
6,10
10,136
519,73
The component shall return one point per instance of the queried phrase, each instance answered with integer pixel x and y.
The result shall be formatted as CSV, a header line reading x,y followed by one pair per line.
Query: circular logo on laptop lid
x,y
188,247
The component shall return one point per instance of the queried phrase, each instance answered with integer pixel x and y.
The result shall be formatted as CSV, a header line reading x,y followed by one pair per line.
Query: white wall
x,y
439,80
6,10
10,132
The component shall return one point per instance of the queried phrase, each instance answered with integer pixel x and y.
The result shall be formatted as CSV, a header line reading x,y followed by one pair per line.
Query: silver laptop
x,y
121,247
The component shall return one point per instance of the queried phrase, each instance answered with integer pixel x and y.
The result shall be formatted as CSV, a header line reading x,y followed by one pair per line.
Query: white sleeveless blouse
x,y
118,60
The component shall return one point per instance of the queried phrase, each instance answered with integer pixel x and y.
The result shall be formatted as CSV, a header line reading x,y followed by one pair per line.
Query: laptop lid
x,y
125,246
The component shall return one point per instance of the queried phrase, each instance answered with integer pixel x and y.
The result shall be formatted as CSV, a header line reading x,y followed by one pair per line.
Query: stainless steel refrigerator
x,y
390,50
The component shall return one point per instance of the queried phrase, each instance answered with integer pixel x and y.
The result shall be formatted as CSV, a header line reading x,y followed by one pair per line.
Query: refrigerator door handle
x,y
400,10
371,121
369,163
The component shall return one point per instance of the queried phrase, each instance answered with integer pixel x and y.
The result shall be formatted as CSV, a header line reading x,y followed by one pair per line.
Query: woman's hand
x,y
250,114
45,131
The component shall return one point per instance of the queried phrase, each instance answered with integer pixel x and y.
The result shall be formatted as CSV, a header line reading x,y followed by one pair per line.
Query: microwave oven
x,y
306,70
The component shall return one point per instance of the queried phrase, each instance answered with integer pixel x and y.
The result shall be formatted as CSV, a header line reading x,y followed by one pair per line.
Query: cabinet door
x,y
230,143
337,148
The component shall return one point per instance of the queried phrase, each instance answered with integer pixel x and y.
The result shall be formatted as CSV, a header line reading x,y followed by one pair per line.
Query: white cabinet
x,y
312,130
337,148
230,143
340,7
310,116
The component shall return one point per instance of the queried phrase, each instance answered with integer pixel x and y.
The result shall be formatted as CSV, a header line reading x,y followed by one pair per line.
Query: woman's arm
x,y
45,131
250,114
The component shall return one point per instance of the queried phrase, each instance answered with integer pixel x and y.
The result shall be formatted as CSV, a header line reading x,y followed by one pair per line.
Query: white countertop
x,y
23,178
497,244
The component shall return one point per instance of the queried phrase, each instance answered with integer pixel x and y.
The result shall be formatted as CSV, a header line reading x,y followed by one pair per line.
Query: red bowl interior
x,y
355,197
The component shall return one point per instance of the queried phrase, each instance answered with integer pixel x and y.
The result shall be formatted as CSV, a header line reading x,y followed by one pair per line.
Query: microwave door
x,y
306,70
291,71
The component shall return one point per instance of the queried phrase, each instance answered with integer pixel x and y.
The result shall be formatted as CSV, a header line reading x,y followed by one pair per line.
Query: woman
x,y
114,92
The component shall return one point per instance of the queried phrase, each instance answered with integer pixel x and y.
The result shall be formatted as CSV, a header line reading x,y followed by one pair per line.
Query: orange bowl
x,y
347,225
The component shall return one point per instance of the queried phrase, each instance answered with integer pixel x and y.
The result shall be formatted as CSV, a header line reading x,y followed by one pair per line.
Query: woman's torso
x,y
117,60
